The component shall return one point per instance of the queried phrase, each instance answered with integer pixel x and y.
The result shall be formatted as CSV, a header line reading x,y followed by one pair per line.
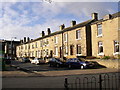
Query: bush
x,y
106,57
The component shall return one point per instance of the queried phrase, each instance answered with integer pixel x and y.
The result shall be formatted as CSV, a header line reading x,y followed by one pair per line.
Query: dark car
x,y
78,63
25,60
56,62
7,60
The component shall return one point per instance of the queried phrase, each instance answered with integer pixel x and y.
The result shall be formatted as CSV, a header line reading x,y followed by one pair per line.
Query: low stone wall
x,y
109,63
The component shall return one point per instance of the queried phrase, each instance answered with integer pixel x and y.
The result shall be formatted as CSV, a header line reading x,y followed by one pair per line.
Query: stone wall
x,y
109,63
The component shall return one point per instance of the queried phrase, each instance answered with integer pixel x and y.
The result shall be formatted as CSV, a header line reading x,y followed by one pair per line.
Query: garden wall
x,y
109,63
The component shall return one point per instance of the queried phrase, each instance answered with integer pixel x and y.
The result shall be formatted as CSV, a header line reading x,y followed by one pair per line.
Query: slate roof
x,y
64,30
75,26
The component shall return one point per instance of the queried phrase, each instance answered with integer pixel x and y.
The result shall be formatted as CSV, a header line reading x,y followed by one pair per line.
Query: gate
x,y
104,81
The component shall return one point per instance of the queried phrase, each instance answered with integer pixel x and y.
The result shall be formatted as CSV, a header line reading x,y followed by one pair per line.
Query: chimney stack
x,y
43,33
95,16
48,31
62,27
21,41
107,17
73,23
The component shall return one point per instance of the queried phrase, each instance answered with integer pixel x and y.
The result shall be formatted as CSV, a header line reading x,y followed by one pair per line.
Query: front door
x,y
60,52
71,49
51,53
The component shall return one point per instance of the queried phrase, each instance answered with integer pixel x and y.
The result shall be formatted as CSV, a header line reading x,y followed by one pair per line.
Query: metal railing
x,y
104,81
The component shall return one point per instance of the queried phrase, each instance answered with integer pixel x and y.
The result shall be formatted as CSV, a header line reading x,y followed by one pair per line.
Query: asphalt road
x,y
34,67
58,82
89,80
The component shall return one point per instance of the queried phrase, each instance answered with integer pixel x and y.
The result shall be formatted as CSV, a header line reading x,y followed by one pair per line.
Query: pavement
x,y
19,72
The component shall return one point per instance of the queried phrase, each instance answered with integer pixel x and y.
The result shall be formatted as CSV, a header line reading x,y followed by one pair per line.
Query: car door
x,y
75,62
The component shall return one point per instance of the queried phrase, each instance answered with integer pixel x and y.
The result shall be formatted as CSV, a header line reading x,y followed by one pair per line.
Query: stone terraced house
x,y
90,38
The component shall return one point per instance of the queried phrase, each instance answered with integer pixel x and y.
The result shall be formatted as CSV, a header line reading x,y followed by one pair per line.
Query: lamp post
x,y
12,46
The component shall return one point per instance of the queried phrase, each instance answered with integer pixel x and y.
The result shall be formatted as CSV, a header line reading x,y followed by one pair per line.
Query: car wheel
x,y
82,67
69,66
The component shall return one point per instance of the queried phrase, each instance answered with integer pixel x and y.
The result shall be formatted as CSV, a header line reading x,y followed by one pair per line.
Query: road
x,y
33,67
50,77
56,81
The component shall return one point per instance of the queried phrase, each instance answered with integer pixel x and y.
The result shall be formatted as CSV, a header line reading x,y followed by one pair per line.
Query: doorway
x,y
71,49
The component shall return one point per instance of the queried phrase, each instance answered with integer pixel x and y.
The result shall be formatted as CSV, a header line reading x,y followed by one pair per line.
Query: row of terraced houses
x,y
95,37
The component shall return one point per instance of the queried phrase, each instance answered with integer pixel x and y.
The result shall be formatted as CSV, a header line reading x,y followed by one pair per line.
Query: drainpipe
x,y
62,46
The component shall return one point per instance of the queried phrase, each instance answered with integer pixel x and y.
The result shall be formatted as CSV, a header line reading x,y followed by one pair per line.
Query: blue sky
x,y
29,19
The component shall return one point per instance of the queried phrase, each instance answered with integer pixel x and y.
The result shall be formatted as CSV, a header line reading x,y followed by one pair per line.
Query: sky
x,y
29,19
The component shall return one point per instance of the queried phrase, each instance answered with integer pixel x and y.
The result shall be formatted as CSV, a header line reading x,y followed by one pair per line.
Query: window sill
x,y
117,53
55,43
100,54
99,35
78,54
55,55
65,55
78,39
65,41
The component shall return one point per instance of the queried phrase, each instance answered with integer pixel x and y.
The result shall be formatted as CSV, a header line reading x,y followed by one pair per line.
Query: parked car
x,y
31,58
38,61
78,63
25,60
56,62
7,60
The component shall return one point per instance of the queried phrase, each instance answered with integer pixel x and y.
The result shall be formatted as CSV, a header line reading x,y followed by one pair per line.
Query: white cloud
x,y
10,27
59,0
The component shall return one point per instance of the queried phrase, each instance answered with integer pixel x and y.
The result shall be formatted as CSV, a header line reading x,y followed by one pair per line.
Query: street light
x,y
12,45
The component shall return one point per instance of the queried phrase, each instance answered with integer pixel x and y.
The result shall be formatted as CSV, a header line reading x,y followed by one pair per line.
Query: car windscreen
x,y
74,60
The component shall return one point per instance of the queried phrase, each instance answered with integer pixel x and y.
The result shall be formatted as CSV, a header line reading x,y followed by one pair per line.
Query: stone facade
x,y
8,48
77,40
110,33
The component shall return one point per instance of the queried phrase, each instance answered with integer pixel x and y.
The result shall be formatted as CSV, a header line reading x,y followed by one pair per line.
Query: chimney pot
x,y
48,31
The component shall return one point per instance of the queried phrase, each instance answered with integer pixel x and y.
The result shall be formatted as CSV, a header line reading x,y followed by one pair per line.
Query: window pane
x,y
65,37
55,39
78,49
116,46
100,47
78,34
99,29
